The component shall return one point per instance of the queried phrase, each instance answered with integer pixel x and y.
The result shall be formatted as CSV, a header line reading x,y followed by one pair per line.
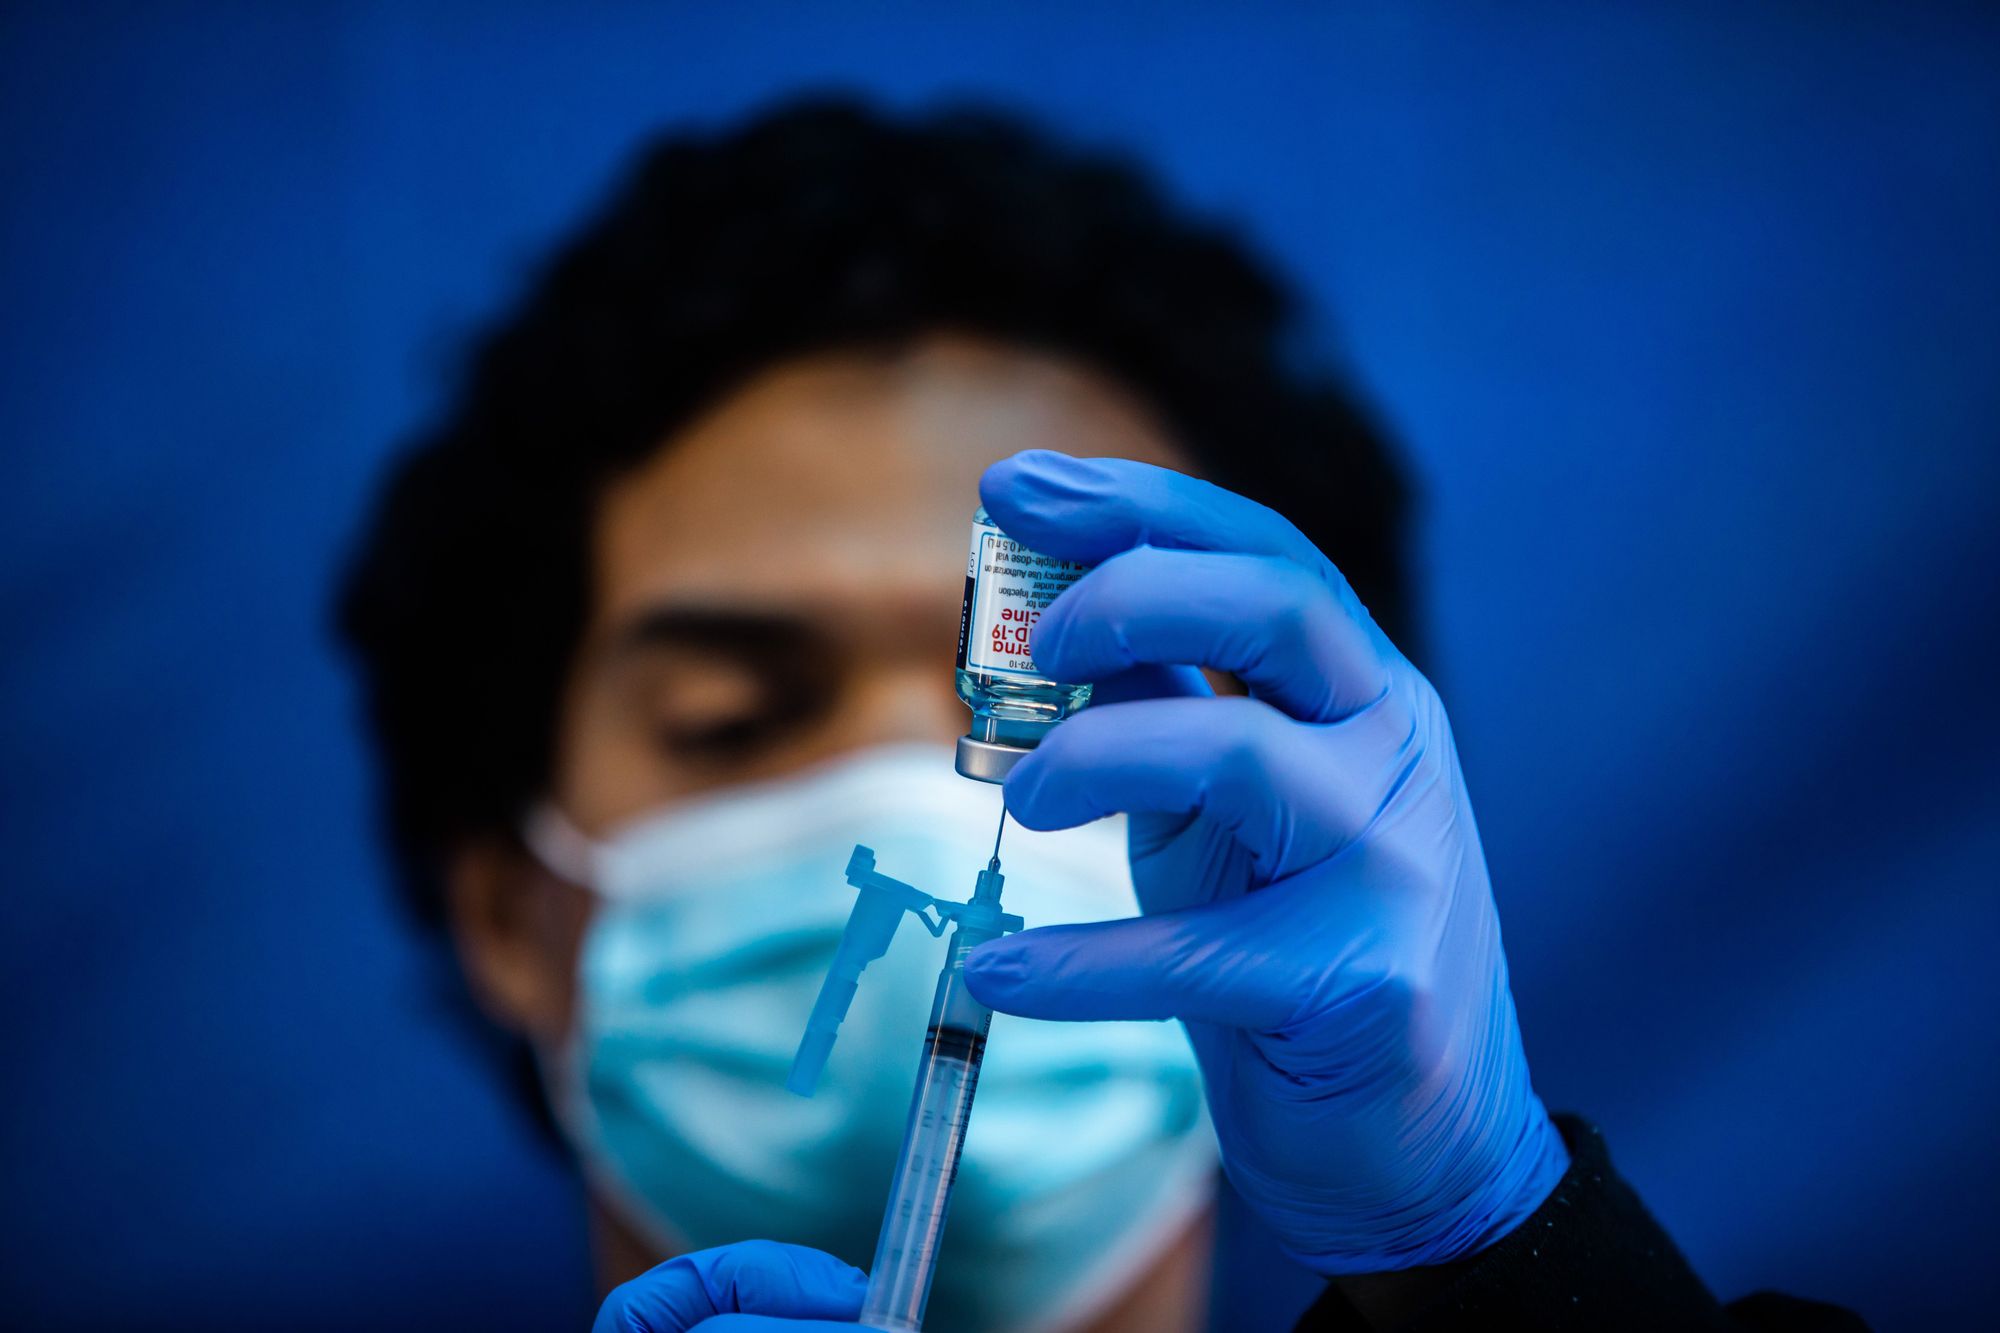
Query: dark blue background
x,y
1691,324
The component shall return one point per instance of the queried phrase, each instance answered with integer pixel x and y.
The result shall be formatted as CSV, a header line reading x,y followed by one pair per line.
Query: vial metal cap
x,y
986,761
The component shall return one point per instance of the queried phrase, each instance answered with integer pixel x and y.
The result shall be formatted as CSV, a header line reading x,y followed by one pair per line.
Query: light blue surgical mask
x,y
1089,1149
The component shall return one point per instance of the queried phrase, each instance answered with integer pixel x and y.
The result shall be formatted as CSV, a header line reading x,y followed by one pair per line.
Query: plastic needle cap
x,y
870,929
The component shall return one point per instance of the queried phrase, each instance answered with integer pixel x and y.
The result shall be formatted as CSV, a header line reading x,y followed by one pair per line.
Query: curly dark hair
x,y
816,226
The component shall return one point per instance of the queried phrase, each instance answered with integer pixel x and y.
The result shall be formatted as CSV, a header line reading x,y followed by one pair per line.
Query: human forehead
x,y
847,472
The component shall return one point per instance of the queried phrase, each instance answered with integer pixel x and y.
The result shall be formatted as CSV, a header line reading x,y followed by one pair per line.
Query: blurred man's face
x,y
778,586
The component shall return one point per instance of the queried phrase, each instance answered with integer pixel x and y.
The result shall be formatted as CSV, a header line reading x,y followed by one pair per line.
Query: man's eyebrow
x,y
716,629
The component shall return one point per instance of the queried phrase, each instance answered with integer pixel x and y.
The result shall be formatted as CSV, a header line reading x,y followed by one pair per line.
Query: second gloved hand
x,y
755,1286
1315,901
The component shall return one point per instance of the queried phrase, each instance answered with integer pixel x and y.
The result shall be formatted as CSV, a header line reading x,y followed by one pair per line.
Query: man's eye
x,y
736,700
713,711
724,737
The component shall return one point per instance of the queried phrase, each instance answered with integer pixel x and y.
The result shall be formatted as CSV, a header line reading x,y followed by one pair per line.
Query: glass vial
x,y
1013,704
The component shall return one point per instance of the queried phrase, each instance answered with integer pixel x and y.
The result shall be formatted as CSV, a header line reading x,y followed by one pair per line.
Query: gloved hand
x,y
755,1286
1315,902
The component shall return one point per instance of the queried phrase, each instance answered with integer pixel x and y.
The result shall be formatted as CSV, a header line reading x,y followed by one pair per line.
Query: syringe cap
x,y
814,1047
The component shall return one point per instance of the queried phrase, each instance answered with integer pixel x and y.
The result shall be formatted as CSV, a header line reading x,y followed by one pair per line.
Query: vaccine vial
x,y
1007,587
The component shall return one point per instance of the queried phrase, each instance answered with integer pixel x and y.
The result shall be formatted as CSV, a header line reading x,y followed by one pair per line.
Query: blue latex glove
x,y
1315,902
756,1286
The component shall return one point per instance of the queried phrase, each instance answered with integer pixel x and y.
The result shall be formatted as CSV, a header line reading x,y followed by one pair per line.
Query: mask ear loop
x,y
560,845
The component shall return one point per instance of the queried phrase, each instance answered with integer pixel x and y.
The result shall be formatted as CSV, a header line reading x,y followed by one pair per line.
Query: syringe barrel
x,y
899,1281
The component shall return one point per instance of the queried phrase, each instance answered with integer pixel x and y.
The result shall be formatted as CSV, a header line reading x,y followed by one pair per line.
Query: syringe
x,y
899,1281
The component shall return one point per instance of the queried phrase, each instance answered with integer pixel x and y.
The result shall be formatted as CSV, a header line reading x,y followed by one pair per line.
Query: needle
x,y
994,864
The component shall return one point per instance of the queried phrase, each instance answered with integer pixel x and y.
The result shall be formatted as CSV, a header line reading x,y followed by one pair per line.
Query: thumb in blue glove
x,y
756,1286
1315,902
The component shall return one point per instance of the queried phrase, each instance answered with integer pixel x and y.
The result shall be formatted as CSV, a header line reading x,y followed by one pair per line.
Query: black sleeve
x,y
1591,1257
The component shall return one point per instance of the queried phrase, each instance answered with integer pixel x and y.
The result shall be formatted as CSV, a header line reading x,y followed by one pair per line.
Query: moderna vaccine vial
x,y
1007,587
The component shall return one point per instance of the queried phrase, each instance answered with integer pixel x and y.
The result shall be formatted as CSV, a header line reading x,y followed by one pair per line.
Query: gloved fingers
x,y
1209,964
753,1277
768,1277
1090,509
1276,786
1277,626
771,1323
1150,682
1152,756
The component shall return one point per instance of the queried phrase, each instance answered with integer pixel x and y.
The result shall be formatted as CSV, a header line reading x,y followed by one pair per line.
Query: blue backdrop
x,y
1690,322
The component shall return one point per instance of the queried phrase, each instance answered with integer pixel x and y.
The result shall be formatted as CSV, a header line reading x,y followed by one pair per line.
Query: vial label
x,y
1007,587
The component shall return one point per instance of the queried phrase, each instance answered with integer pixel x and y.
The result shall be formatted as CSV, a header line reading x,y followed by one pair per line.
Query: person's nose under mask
x,y
1088,1152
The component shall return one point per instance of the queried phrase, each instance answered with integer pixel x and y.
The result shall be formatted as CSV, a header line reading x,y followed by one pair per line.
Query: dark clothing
x,y
1591,1257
